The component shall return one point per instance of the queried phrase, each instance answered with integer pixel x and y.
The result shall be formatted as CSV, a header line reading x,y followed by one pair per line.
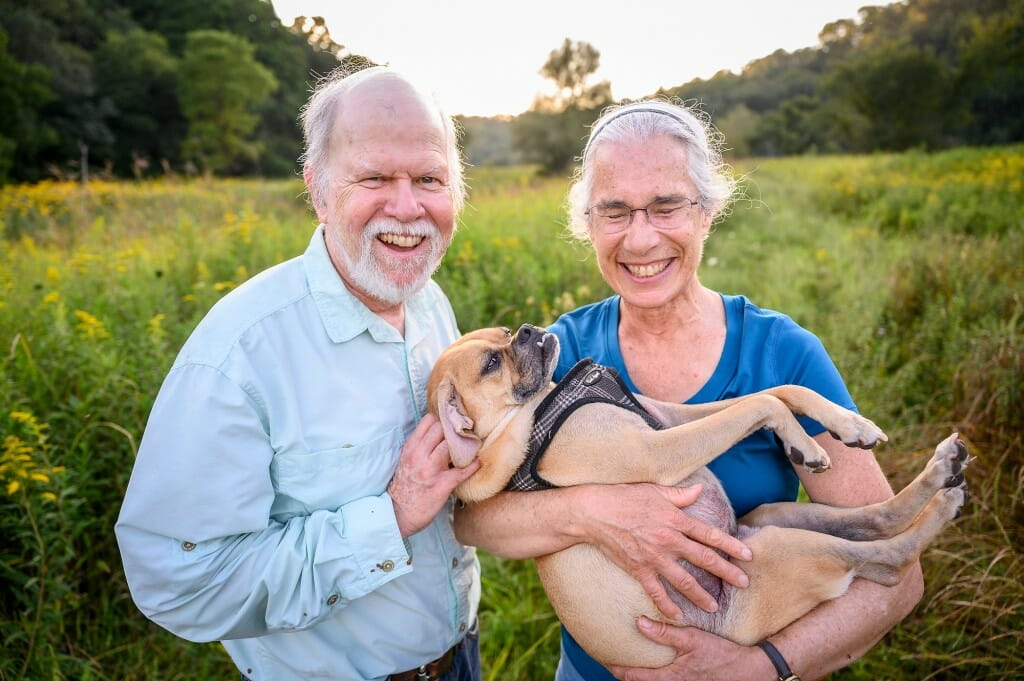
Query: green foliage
x,y
551,133
220,85
140,76
23,90
99,287
97,81
920,73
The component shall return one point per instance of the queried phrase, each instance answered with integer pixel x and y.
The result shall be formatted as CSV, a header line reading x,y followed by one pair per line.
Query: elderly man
x,y
289,498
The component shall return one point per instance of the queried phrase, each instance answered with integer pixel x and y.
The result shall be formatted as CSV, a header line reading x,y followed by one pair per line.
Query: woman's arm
x,y
638,527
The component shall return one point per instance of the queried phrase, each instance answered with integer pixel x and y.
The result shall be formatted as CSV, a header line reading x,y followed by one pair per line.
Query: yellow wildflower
x,y
90,327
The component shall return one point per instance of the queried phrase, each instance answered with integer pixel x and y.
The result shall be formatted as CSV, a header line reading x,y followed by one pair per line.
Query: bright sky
x,y
483,58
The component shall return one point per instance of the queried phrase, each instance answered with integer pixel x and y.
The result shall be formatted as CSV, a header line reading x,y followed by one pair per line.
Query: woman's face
x,y
649,267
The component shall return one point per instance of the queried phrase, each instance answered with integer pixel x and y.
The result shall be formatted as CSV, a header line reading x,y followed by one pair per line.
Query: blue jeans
x,y
466,665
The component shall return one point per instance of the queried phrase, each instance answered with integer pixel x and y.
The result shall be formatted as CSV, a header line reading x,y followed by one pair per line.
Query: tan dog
x,y
485,389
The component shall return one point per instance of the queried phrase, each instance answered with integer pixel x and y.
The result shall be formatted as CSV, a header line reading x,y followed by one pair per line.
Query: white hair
x,y
318,116
643,120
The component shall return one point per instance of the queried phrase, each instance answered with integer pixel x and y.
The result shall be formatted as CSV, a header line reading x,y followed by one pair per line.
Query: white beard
x,y
389,281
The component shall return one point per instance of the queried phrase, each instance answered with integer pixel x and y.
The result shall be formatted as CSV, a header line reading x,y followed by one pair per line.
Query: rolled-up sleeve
x,y
203,553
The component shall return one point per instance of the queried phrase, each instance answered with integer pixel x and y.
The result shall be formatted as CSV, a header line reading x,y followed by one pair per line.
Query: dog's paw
x,y
814,459
858,431
953,500
946,467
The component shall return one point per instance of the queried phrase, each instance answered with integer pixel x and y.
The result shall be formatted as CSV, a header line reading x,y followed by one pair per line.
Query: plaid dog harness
x,y
586,383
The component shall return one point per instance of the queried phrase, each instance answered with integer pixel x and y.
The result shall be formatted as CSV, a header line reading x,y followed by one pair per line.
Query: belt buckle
x,y
422,674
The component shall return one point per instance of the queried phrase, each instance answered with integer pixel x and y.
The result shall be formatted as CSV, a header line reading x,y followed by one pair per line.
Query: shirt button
x,y
462,627
455,562
387,566
187,546
332,599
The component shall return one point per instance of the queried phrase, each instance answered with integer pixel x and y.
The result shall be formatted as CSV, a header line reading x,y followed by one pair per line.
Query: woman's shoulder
x,y
587,331
586,319
760,324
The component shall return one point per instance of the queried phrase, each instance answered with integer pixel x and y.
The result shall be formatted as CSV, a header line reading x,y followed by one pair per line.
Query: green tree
x,y
220,86
552,132
23,92
991,77
137,72
900,94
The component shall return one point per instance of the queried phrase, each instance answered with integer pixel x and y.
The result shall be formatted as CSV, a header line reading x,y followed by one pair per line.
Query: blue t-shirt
x,y
763,349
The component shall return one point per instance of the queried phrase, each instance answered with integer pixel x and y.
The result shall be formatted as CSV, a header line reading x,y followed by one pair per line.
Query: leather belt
x,y
431,671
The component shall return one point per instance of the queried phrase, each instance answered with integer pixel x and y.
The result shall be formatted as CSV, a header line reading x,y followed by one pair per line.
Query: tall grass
x,y
907,266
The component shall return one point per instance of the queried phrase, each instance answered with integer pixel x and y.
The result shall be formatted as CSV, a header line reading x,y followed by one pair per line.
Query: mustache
x,y
422,227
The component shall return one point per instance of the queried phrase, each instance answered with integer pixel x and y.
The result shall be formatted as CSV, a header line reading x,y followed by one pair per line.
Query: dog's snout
x,y
528,333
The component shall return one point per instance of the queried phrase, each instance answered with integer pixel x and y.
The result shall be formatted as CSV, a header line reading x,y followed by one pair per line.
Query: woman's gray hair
x,y
643,120
320,112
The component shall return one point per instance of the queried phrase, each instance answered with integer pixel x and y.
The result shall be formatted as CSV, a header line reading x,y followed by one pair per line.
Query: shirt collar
x,y
343,315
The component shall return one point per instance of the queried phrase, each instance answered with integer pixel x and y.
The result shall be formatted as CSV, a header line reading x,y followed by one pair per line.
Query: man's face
x,y
388,213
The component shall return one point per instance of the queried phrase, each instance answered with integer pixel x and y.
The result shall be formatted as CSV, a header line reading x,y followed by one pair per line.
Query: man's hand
x,y
641,528
424,479
700,656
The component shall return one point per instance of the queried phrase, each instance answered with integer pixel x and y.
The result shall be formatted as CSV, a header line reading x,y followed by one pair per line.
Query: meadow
x,y
909,267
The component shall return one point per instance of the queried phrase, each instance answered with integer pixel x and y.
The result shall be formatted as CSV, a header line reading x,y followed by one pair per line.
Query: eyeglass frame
x,y
684,200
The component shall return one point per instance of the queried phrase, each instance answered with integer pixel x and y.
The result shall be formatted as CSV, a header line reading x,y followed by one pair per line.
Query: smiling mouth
x,y
647,271
401,240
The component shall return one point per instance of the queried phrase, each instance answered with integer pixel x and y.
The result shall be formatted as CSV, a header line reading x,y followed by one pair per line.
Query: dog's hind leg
x,y
876,521
793,570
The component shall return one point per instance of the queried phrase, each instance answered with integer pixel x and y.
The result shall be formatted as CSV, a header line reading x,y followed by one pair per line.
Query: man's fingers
x,y
463,474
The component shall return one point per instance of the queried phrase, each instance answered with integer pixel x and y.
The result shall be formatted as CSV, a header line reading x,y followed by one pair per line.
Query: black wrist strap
x,y
778,661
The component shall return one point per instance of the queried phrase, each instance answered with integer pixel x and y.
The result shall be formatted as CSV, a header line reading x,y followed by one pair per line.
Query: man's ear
x,y
463,443
315,196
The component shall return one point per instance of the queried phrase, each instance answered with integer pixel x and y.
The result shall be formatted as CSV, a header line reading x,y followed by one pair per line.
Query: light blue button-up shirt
x,y
257,512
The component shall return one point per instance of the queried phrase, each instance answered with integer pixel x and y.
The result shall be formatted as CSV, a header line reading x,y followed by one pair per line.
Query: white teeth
x,y
644,271
540,344
401,240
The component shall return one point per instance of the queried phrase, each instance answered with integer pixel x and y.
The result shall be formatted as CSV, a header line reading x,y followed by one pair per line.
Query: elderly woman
x,y
649,188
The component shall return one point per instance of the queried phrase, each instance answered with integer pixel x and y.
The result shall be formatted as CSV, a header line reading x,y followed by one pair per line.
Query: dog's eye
x,y
493,362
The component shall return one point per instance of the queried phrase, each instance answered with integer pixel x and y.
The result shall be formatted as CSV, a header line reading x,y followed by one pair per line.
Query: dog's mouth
x,y
535,353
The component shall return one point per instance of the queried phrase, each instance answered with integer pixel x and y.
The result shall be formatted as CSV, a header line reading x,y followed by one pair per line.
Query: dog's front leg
x,y
678,451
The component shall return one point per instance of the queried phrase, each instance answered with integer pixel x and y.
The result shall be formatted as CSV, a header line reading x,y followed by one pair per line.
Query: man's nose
x,y
402,203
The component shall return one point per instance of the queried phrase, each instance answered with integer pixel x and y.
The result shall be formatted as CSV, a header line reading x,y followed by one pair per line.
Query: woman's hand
x,y
641,528
700,656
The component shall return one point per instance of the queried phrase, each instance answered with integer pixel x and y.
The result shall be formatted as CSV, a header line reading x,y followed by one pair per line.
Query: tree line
x,y
135,87
927,74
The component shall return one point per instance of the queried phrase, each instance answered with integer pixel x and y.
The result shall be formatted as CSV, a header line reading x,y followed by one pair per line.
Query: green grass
x,y
907,266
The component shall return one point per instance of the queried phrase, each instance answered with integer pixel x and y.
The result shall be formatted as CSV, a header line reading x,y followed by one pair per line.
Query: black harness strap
x,y
586,383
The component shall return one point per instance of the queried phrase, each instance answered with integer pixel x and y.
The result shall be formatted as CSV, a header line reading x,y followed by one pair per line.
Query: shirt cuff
x,y
379,551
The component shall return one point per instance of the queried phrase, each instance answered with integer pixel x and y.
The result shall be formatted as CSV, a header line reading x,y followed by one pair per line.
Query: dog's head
x,y
483,378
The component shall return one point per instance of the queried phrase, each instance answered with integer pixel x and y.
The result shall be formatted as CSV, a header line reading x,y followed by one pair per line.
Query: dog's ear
x,y
463,443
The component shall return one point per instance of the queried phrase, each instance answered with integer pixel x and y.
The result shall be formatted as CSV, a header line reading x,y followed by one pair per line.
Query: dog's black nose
x,y
528,333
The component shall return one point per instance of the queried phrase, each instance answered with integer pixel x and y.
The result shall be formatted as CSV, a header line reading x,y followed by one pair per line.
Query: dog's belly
x,y
599,603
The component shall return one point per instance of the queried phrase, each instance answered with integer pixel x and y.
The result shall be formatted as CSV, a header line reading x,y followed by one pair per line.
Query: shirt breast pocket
x,y
329,478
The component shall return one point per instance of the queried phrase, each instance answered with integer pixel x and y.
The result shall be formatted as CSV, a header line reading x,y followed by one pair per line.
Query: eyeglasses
x,y
663,214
